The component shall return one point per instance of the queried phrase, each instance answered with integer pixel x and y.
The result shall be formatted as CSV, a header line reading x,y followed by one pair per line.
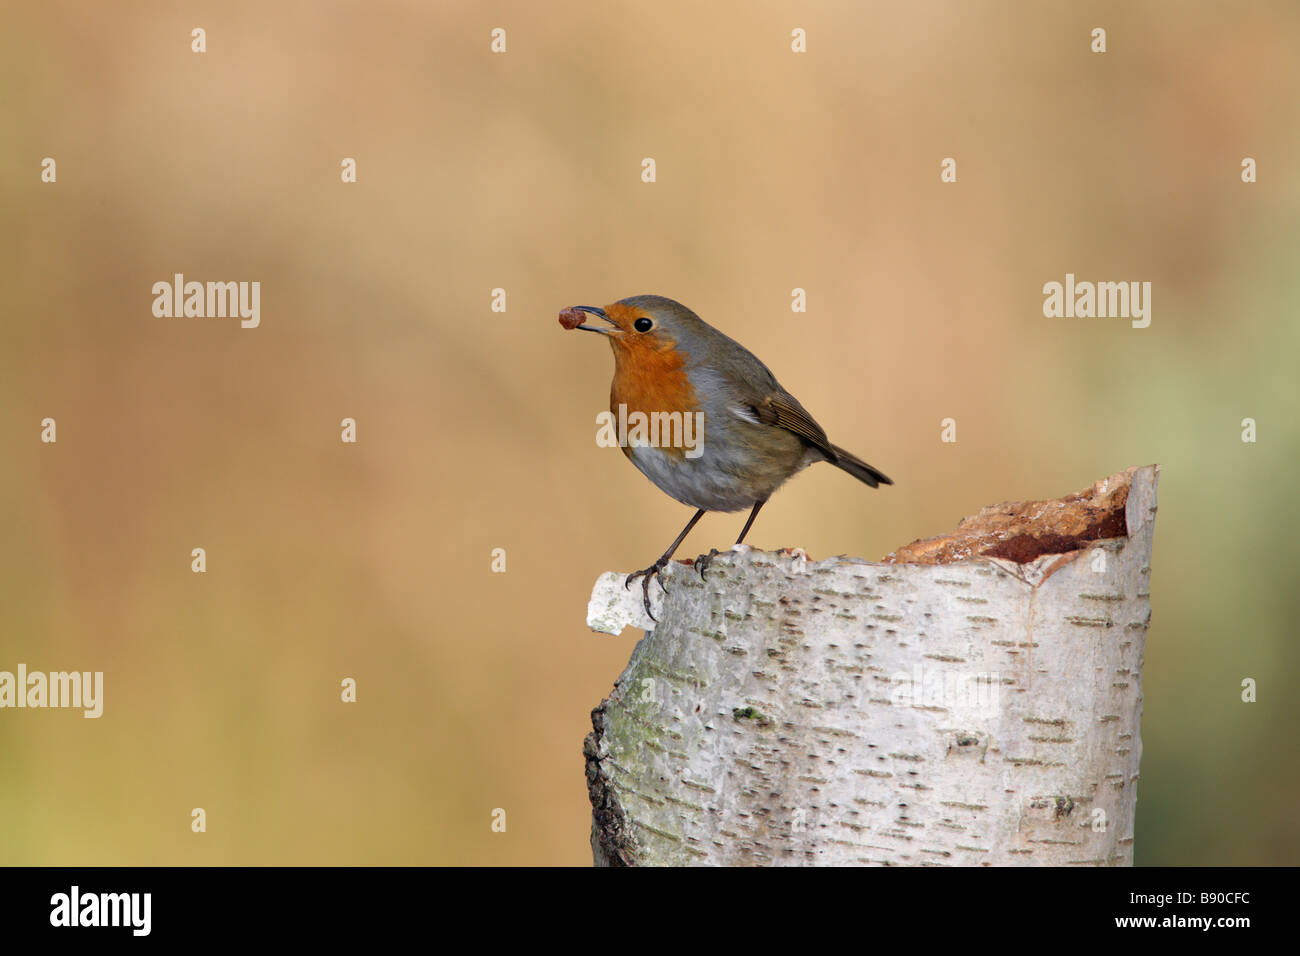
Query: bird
x,y
753,436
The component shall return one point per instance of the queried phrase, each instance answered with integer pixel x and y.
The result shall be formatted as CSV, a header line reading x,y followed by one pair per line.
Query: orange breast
x,y
649,379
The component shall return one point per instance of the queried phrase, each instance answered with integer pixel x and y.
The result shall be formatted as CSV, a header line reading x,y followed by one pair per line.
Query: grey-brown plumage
x,y
756,435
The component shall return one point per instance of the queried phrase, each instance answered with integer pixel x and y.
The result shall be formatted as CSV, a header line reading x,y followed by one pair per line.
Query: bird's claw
x,y
703,561
655,570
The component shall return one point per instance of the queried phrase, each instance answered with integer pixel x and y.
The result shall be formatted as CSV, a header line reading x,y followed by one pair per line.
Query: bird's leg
x,y
659,565
704,560
750,523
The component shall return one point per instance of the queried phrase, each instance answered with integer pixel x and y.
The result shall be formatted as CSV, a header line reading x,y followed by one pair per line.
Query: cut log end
x,y
1023,531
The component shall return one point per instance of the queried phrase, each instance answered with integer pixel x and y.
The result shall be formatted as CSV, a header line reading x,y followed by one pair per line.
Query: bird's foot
x,y
703,561
655,570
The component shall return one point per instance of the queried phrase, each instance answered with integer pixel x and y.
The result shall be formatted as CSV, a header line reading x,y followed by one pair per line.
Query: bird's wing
x,y
759,393
784,411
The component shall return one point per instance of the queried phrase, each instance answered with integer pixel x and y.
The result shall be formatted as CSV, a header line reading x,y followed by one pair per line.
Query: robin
x,y
670,363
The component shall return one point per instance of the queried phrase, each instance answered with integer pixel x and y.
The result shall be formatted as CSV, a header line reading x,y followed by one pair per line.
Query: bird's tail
x,y
858,468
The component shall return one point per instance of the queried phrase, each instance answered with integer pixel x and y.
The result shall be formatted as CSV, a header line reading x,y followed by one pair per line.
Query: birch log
x,y
973,699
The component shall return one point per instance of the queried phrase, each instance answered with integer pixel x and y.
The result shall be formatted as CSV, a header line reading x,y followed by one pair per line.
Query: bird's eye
x,y
643,324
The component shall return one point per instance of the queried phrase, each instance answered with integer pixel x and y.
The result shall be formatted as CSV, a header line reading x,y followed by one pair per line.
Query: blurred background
x,y
476,430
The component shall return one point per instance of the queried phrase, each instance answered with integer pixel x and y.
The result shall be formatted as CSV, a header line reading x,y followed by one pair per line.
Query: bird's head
x,y
644,325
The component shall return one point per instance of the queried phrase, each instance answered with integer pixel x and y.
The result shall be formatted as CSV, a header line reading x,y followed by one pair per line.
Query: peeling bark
x,y
973,700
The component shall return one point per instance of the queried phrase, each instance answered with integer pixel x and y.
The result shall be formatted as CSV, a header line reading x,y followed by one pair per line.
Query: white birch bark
x,y
974,712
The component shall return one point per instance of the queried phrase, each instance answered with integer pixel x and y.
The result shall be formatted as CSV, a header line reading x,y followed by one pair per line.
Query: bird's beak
x,y
592,310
